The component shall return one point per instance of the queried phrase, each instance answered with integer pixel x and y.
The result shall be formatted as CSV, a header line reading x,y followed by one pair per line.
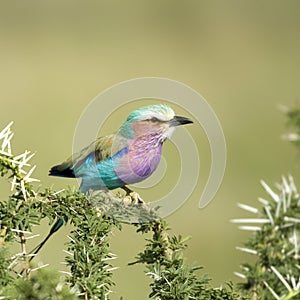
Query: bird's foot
x,y
133,198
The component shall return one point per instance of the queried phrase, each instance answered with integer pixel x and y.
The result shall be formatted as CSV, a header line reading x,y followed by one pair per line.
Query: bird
x,y
127,156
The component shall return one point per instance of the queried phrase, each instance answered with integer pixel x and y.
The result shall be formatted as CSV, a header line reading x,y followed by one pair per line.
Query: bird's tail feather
x,y
62,171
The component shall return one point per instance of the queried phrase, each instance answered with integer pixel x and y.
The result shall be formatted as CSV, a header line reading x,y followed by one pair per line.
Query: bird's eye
x,y
154,119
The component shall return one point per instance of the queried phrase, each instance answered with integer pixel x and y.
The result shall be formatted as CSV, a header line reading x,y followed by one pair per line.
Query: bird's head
x,y
157,121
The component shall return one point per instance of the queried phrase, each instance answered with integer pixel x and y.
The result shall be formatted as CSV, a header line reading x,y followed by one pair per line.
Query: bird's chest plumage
x,y
140,161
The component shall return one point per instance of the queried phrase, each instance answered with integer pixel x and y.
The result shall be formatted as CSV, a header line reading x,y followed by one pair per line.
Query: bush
x,y
275,242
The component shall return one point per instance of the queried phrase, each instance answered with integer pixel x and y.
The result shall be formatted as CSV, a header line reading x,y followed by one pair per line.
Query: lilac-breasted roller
x,y
127,156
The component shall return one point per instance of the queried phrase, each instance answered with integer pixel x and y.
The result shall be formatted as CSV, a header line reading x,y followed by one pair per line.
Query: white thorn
x,y
277,212
70,239
247,250
288,204
13,183
153,275
240,275
289,219
269,191
29,173
272,291
43,266
285,185
69,253
263,201
283,197
3,132
31,255
22,171
26,159
292,137
32,237
21,231
250,228
112,269
248,208
280,277
245,268
268,212
257,221
5,153
298,285
292,184
67,273
22,155
6,142
296,244
23,189
32,180
293,281
58,192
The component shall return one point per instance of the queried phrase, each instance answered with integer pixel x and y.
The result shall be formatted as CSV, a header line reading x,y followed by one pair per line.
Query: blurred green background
x,y
242,56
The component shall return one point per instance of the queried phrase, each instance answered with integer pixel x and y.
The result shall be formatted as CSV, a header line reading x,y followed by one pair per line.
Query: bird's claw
x,y
133,198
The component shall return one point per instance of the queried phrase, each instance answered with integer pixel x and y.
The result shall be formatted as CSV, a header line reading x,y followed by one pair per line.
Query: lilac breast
x,y
144,165
139,163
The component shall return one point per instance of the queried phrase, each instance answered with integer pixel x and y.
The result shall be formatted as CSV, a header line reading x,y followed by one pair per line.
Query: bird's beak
x,y
177,121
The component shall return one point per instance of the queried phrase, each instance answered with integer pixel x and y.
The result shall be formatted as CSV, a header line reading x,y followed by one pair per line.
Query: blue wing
x,y
95,163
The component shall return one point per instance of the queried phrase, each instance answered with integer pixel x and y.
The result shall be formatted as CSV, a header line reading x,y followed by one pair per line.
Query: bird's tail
x,y
62,171
53,229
